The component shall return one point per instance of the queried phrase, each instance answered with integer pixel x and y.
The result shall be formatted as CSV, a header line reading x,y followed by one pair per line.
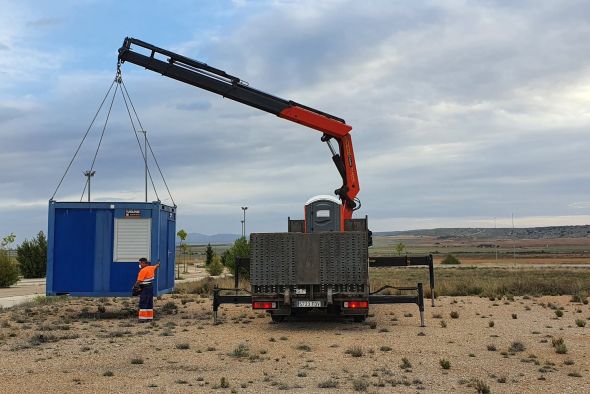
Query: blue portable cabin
x,y
94,247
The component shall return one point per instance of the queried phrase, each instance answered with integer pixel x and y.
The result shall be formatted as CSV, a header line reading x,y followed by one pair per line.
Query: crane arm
x,y
203,76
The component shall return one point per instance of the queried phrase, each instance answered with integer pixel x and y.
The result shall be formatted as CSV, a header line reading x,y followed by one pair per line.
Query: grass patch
x,y
360,385
137,361
355,351
183,346
240,351
489,282
328,384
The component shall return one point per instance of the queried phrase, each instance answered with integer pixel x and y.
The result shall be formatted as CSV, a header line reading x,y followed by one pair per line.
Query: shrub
x,y
215,268
406,364
355,351
360,385
492,348
481,387
491,323
514,316
8,270
580,323
137,361
454,315
450,259
182,346
223,383
328,384
240,351
558,313
444,363
108,373
516,347
32,257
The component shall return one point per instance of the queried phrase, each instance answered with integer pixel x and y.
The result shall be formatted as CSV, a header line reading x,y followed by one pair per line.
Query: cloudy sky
x,y
462,112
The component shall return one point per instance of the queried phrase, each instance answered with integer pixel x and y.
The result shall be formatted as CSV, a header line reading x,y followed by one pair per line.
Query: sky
x,y
464,113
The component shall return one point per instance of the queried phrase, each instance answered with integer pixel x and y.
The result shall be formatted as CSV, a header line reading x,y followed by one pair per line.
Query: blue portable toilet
x,y
93,248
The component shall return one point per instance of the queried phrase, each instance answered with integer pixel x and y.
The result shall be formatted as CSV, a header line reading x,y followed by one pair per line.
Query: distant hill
x,y
499,233
215,239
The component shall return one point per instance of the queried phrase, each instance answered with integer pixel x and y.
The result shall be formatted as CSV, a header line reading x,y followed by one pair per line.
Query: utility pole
x,y
513,241
145,161
244,222
243,235
89,174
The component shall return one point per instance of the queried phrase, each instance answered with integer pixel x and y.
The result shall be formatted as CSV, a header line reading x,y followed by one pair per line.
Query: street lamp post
x,y
244,222
89,174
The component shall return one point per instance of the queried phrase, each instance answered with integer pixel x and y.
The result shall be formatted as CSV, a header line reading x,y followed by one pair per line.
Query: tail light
x,y
264,305
356,304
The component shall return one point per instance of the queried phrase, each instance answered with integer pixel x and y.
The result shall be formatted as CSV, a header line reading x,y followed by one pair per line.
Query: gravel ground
x,y
76,345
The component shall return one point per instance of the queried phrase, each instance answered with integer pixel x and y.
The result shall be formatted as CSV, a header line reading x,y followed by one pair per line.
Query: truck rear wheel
x,y
277,318
360,319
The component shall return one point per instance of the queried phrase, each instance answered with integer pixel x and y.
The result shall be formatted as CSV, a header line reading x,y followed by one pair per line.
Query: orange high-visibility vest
x,y
147,274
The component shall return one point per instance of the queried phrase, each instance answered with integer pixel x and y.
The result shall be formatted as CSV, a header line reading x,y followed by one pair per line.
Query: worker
x,y
145,283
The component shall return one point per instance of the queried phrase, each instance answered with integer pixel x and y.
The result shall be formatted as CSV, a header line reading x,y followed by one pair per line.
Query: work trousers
x,y
146,303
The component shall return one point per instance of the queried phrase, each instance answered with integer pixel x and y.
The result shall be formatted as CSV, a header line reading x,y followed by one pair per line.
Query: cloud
x,y
459,111
45,22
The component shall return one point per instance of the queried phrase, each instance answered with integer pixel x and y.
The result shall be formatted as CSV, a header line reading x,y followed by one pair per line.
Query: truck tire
x,y
277,318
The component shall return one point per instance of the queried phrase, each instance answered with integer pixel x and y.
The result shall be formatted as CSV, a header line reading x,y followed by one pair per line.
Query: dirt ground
x,y
76,345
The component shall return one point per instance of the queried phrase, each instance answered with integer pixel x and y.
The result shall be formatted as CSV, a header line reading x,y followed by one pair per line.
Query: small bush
x,y
8,270
360,385
443,323
450,259
406,364
558,313
240,351
516,347
580,323
223,382
574,374
561,348
182,346
454,315
304,347
514,316
491,347
481,387
108,373
169,307
137,361
491,323
385,349
355,351
328,384
444,363
215,268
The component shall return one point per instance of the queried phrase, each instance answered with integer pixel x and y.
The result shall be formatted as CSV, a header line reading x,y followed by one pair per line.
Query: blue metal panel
x,y
80,248
74,269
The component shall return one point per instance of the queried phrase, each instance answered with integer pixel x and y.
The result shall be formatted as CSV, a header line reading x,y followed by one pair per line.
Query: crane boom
x,y
203,76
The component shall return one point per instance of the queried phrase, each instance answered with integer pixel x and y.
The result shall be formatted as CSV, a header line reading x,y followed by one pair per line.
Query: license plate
x,y
309,304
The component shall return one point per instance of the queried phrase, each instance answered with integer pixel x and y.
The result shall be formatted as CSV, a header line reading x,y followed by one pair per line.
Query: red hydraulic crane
x,y
217,81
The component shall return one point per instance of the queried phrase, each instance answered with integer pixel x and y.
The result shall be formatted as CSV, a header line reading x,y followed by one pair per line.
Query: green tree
x,y
8,268
209,253
32,256
399,248
182,235
215,268
240,248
